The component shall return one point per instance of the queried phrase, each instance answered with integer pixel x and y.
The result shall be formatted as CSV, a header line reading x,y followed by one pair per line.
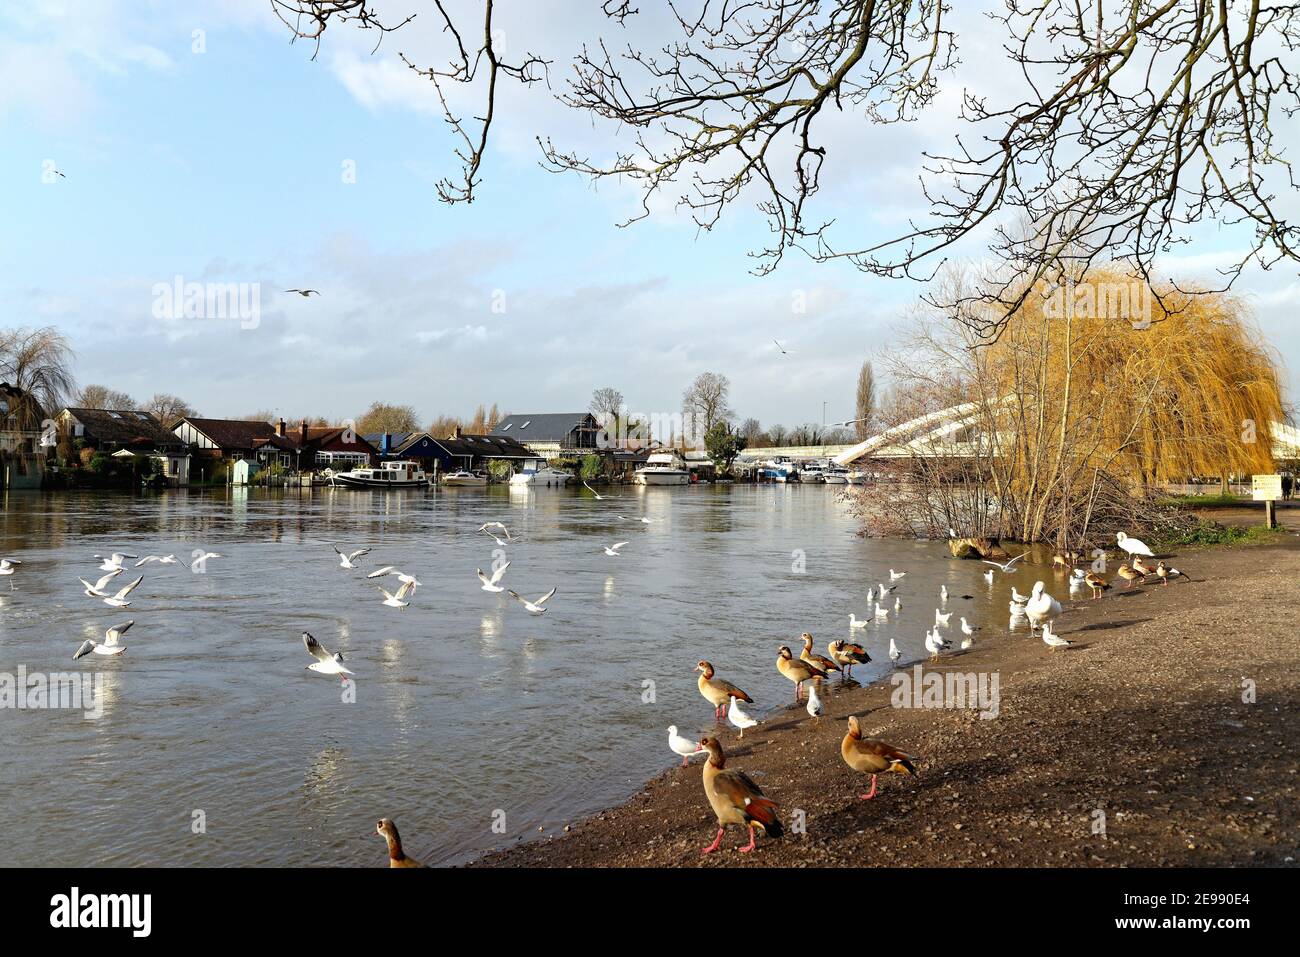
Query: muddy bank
x,y
1140,725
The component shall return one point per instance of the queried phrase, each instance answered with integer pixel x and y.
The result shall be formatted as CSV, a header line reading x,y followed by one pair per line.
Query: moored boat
x,y
665,467
387,475
464,477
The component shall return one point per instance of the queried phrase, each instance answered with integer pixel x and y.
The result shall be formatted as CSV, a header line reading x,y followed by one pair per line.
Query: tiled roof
x,y
487,446
123,427
232,433
542,427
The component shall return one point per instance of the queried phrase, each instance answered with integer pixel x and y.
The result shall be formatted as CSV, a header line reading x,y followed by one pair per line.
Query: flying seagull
x,y
612,550
97,590
403,593
504,531
781,348
160,559
111,645
1009,565
113,562
493,583
534,606
325,663
393,570
599,497
305,293
347,558
119,600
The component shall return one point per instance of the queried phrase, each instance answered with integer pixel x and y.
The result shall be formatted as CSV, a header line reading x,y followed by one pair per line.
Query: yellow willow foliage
x,y
1193,393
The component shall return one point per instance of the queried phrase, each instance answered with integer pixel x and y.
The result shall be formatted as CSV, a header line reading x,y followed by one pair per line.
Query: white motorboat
x,y
387,475
536,472
835,475
663,468
464,477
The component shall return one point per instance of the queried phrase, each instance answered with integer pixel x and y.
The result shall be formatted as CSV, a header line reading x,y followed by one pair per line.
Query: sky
x,y
219,156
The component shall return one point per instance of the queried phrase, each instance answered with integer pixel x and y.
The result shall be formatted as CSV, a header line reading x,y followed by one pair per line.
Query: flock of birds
x,y
733,796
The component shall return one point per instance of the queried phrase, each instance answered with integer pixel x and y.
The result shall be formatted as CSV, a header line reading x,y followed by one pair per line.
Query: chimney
x,y
280,430
302,433
456,434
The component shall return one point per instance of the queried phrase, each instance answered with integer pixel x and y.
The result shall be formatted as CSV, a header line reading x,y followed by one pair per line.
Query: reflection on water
x,y
465,703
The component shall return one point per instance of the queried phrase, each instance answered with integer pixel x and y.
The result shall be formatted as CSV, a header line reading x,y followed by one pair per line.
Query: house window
x,y
525,425
506,427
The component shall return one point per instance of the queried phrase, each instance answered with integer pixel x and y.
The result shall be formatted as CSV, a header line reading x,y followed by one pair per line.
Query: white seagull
x,y
882,612
966,629
111,645
739,718
346,559
325,663
943,594
1051,640
941,619
504,531
885,591
202,558
599,497
114,562
683,746
814,702
494,583
895,576
403,593
894,653
7,565
534,606
1133,546
119,600
854,623
97,590
1042,607
1009,565
160,559
612,550
1017,597
393,570
935,643
1017,610
988,576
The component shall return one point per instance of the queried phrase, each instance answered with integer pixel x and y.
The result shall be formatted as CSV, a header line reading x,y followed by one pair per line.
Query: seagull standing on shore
x,y
894,653
7,565
494,584
738,717
534,606
111,645
814,706
325,663
683,746
346,559
935,643
1051,640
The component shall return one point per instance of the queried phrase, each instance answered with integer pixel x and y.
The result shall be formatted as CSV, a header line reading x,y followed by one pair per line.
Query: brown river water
x,y
468,710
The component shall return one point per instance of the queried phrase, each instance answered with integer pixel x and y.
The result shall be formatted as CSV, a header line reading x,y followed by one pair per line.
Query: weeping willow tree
x,y
1094,396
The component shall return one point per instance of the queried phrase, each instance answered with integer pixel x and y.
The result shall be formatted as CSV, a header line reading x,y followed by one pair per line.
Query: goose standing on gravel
x,y
97,590
847,655
1164,573
817,661
119,600
7,565
716,691
534,606
1041,608
111,645
1129,574
1096,583
873,756
738,717
325,663
396,857
494,583
1133,546
797,671
736,799
679,745
346,559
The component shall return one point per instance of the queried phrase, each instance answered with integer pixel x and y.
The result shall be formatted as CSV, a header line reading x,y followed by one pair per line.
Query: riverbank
x,y
1141,725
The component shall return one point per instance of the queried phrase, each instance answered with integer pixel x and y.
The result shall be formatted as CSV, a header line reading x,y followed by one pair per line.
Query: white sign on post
x,y
1266,488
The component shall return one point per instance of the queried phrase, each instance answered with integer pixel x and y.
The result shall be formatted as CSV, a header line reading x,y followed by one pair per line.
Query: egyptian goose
x,y
848,655
717,691
1142,567
1041,607
736,799
1096,583
1164,573
1130,575
872,756
817,661
1133,546
396,857
796,670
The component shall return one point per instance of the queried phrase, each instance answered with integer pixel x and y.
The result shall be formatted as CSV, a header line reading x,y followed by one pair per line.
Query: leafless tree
x,y
607,405
865,401
38,364
1136,120
102,397
168,409
750,430
705,403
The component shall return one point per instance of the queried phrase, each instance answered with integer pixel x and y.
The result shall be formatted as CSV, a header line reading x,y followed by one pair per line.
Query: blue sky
x,y
226,166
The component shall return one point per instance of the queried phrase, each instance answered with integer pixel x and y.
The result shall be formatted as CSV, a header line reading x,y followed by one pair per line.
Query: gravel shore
x,y
1140,726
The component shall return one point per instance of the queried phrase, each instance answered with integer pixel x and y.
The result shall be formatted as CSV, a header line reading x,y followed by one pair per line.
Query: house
x,y
458,451
417,446
307,448
222,438
20,438
127,434
552,434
